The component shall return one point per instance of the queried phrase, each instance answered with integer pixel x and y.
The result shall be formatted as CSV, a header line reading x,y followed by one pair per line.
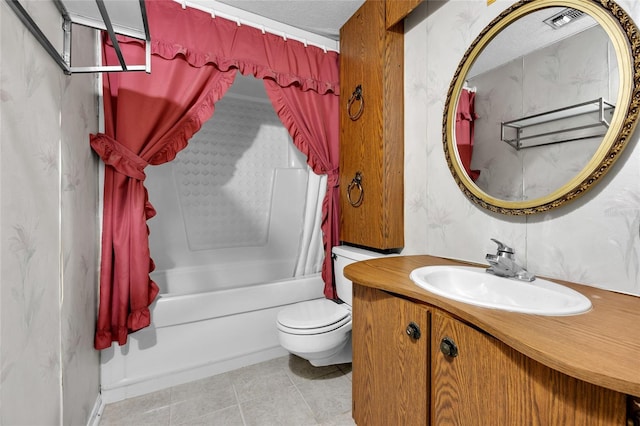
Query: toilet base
x,y
336,355
344,356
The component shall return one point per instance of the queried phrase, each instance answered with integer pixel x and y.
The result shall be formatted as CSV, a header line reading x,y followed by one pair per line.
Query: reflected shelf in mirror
x,y
573,123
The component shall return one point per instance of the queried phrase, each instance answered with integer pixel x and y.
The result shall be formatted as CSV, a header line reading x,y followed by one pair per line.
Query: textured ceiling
x,y
524,36
326,17
322,17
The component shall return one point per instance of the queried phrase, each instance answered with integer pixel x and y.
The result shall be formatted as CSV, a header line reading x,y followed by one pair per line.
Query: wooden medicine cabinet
x,y
372,125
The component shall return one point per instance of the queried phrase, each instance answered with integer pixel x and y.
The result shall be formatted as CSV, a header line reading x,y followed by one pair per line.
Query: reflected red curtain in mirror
x,y
465,117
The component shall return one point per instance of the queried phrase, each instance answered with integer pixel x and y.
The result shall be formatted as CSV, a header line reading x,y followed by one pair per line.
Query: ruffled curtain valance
x,y
149,118
228,45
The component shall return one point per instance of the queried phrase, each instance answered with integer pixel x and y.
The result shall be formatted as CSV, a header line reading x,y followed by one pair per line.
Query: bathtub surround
x,y
593,240
235,194
48,228
191,47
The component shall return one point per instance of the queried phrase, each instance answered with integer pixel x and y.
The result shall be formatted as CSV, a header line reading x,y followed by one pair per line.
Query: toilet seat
x,y
313,317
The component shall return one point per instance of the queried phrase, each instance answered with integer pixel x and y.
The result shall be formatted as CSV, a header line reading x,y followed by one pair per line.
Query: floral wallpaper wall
x,y
594,240
48,229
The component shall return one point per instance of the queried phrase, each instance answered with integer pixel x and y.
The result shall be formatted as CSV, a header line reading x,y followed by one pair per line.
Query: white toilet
x,y
320,330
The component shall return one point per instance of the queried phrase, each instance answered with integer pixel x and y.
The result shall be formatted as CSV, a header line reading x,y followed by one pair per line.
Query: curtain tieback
x,y
469,116
118,156
333,178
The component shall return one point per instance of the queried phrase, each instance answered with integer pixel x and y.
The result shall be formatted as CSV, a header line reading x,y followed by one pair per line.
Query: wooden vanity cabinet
x,y
372,146
398,380
390,367
489,380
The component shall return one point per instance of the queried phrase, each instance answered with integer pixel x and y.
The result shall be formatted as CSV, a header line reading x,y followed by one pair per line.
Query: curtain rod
x,y
241,17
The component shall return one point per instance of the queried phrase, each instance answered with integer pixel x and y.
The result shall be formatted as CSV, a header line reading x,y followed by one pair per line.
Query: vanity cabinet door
x,y
371,143
390,374
487,382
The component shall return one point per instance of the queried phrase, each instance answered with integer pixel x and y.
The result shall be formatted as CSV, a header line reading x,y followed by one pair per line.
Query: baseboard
x,y
96,413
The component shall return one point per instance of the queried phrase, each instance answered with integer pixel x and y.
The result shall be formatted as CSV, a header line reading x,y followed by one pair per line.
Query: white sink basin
x,y
476,287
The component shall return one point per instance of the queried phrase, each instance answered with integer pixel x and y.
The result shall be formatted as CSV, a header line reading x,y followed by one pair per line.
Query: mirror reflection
x,y
536,104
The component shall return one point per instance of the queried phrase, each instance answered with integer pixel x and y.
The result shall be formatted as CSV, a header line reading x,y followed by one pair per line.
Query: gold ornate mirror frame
x,y
624,36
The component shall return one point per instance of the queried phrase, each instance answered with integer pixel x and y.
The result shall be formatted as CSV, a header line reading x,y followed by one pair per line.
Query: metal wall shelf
x,y
116,17
576,122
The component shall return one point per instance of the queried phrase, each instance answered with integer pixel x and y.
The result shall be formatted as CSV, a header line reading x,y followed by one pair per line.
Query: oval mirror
x,y
542,104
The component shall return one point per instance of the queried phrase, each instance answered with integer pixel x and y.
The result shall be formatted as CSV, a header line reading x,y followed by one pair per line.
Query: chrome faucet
x,y
503,264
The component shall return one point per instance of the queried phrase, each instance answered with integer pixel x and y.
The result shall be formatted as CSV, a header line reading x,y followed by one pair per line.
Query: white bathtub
x,y
203,333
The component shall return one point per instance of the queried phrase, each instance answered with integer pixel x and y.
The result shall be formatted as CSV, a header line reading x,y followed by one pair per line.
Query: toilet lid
x,y
313,314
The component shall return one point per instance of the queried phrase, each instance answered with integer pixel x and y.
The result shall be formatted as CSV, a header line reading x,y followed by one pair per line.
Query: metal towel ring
x,y
356,96
357,183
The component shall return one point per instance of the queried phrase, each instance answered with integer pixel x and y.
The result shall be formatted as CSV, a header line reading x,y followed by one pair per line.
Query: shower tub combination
x,y
209,319
204,333
227,239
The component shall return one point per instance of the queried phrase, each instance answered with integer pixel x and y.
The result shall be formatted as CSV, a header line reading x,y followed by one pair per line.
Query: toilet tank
x,y
346,255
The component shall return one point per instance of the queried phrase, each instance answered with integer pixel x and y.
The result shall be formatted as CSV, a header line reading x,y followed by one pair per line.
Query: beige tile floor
x,y
280,392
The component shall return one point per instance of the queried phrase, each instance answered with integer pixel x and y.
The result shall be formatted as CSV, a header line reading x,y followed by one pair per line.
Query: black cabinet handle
x,y
448,347
413,330
356,182
356,96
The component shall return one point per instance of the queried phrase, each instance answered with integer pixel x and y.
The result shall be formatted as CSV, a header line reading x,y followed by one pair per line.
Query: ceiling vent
x,y
563,18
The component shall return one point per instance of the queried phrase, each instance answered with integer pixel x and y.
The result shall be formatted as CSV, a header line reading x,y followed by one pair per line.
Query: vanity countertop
x,y
601,346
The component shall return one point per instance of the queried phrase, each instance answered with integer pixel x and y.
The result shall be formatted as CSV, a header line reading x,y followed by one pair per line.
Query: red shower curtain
x,y
312,120
465,116
149,118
